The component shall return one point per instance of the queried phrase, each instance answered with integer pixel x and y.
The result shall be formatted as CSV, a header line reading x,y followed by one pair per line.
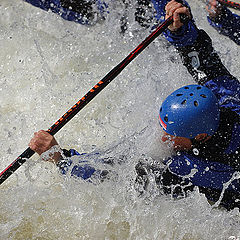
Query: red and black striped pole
x,y
87,98
230,4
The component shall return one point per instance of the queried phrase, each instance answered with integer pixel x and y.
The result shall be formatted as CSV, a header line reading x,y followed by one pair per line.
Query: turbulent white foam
x,y
46,65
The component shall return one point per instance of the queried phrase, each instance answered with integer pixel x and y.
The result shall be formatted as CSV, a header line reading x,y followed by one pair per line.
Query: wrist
x,y
62,160
178,31
56,158
54,154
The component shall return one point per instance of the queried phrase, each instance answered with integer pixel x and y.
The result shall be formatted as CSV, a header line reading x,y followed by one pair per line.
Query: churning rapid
x,y
46,65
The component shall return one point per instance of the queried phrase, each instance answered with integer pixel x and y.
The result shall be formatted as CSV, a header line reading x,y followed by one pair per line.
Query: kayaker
x,y
201,120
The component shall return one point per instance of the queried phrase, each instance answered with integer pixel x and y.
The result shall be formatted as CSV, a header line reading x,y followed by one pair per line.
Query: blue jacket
x,y
210,166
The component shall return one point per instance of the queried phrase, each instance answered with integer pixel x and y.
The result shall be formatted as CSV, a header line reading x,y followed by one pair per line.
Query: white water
x,y
46,65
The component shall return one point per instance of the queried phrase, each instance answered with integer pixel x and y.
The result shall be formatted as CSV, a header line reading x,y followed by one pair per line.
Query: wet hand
x,y
42,142
213,8
174,9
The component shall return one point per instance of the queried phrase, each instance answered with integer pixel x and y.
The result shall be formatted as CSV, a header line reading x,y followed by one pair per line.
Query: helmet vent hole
x,y
166,119
161,109
195,103
191,94
184,102
203,96
186,87
179,94
198,88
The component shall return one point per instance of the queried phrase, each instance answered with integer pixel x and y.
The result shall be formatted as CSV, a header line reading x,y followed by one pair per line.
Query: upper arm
x,y
201,172
227,91
201,60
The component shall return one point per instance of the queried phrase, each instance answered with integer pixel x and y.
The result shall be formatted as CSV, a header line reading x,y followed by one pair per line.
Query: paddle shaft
x,y
87,98
230,4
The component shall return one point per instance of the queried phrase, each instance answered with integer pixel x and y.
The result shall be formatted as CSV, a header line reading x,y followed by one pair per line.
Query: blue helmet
x,y
189,111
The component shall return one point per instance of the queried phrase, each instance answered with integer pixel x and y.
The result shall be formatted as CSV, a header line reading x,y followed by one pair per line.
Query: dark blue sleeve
x,y
203,173
186,35
83,171
227,90
83,167
43,4
198,55
228,24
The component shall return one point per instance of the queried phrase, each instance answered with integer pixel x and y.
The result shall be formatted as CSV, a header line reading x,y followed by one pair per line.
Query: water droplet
x,y
196,151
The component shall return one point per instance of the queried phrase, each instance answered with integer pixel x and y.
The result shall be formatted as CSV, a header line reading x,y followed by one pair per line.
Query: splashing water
x,y
48,64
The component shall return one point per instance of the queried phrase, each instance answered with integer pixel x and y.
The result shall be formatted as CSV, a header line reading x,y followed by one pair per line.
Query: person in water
x,y
200,120
223,20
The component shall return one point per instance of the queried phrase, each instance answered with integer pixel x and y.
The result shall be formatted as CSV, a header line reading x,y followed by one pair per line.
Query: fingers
x,y
212,3
176,16
171,7
175,9
213,8
42,141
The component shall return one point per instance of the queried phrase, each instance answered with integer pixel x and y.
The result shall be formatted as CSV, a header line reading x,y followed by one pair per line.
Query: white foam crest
x,y
47,65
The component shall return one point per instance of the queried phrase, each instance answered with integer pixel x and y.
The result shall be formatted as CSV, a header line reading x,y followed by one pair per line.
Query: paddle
x,y
88,97
230,4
